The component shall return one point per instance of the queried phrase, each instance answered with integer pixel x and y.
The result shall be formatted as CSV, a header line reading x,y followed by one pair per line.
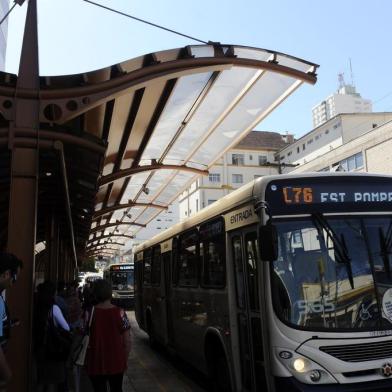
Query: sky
x,y
75,36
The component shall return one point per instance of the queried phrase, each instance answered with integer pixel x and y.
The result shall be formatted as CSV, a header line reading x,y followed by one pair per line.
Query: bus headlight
x,y
115,294
304,369
299,365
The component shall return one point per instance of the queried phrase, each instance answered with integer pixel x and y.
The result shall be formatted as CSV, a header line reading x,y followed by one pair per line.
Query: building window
x,y
310,141
197,205
237,178
251,157
352,163
297,150
327,131
289,153
303,146
317,137
214,177
237,159
210,201
374,125
262,160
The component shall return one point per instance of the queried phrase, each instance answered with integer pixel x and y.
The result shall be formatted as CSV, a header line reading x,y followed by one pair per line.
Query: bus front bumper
x,y
290,384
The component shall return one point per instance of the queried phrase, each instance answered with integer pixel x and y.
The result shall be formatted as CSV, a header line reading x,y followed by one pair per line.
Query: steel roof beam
x,y
116,207
104,243
139,169
108,225
111,235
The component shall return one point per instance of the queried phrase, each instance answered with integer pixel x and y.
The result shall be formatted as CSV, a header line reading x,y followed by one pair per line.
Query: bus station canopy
x,y
129,138
167,130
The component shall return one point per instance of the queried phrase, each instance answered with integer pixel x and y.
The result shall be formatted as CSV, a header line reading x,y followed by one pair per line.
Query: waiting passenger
x,y
110,341
50,339
10,266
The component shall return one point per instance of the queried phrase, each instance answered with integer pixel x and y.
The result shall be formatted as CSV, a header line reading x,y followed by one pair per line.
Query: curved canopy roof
x,y
177,112
137,133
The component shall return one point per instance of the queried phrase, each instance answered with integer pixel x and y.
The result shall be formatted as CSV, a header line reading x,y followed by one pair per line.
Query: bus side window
x,y
251,259
156,266
147,267
174,261
239,271
188,261
213,254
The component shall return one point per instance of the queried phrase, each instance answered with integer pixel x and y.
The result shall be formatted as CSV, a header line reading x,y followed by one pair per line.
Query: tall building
x,y
4,6
160,223
345,100
253,157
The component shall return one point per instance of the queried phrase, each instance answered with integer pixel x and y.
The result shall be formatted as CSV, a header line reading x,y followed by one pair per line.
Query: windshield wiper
x,y
385,247
339,244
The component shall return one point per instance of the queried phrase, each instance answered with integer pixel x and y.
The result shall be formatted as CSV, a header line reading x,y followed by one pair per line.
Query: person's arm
x,y
5,371
59,319
127,341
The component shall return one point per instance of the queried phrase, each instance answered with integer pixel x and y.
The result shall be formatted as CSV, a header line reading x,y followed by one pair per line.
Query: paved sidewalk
x,y
148,370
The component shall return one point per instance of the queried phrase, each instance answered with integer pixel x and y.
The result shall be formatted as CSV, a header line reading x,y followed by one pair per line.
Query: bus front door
x,y
245,259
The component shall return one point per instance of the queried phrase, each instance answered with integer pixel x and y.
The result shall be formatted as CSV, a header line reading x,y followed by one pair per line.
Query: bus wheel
x,y
150,331
221,376
219,373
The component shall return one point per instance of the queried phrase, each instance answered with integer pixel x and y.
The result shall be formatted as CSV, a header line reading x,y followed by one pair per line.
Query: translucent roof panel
x,y
229,86
249,111
180,103
180,110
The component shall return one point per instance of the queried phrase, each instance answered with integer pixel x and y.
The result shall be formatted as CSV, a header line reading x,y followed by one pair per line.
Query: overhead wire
x,y
145,21
9,11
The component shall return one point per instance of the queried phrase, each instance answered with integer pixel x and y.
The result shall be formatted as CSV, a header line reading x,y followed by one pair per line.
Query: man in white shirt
x,y
10,266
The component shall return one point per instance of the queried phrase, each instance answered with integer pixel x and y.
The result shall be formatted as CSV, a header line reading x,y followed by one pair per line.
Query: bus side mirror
x,y
268,240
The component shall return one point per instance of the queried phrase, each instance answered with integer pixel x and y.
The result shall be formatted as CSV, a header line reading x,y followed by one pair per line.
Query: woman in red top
x,y
109,344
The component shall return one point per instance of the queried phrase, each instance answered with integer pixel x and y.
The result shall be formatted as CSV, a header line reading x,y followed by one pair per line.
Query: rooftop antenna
x,y
351,73
341,80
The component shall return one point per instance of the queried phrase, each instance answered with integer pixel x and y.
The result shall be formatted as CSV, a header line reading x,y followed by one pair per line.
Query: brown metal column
x,y
53,249
23,206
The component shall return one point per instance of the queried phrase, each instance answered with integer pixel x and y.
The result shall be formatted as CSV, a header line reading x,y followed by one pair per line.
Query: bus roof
x,y
250,191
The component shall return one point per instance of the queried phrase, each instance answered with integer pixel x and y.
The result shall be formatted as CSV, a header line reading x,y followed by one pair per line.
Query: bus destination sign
x,y
125,267
339,193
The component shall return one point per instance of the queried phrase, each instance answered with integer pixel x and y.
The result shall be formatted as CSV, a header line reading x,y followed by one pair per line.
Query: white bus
x,y
283,285
121,277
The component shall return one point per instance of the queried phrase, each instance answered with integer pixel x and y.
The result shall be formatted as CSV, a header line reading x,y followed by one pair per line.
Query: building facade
x,y
253,157
336,132
371,152
346,100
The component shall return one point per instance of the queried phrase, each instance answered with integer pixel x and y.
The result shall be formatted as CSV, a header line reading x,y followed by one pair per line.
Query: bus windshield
x,y
334,272
122,280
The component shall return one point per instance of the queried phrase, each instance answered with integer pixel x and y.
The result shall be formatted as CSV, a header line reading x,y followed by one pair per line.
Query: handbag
x,y
57,341
81,350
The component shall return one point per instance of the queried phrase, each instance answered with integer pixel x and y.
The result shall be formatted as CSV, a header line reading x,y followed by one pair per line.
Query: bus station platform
x,y
153,370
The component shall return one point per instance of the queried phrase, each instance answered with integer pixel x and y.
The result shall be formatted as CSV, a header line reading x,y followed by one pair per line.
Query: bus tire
x,y
218,369
150,331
